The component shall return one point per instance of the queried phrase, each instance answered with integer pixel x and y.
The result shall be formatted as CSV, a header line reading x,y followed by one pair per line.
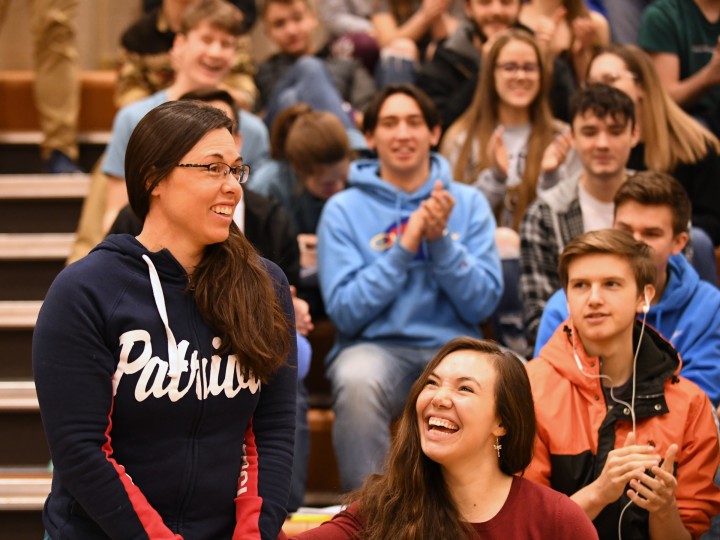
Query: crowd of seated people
x,y
457,169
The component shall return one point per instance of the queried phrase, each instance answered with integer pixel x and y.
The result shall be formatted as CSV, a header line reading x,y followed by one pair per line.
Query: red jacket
x,y
576,429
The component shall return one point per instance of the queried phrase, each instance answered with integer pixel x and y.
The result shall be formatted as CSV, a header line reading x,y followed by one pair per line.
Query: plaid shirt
x,y
543,236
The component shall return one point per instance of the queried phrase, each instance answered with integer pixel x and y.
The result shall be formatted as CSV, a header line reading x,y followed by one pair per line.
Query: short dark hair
x,y
159,142
219,14
657,189
427,107
610,242
215,94
603,101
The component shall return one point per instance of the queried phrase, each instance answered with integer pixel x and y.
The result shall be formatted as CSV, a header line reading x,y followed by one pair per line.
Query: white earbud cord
x,y
631,405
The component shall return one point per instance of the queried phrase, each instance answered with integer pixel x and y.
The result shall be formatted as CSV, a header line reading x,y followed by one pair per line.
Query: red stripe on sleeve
x,y
248,503
151,521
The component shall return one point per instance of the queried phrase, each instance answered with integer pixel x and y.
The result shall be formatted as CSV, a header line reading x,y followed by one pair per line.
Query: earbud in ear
x,y
646,307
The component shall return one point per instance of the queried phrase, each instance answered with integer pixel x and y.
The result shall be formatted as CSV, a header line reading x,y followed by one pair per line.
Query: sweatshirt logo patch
x,y
224,378
386,239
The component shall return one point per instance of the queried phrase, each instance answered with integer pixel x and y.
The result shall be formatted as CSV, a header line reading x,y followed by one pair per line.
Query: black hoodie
x,y
140,452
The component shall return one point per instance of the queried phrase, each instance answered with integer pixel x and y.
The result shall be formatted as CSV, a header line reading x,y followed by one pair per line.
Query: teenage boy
x,y
407,261
655,209
203,54
298,73
615,421
145,64
451,76
603,134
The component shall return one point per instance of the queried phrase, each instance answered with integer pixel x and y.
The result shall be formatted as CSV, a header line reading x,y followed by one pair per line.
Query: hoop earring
x,y
497,446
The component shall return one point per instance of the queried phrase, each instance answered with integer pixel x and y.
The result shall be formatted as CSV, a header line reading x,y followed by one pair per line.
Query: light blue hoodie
x,y
376,290
688,315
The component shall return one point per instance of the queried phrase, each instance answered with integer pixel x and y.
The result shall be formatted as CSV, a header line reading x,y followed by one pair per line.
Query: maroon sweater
x,y
531,512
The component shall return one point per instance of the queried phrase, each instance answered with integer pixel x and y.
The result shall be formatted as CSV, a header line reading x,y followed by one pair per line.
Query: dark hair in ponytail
x,y
233,291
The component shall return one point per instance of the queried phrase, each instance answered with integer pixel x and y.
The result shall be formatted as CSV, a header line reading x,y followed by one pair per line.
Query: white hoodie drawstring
x,y
173,370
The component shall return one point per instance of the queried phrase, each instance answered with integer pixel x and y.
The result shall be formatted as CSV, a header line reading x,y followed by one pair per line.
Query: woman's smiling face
x,y
517,74
456,412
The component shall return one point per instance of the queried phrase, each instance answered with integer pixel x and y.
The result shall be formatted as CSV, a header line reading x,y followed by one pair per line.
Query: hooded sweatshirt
x,y
153,433
376,290
688,314
577,426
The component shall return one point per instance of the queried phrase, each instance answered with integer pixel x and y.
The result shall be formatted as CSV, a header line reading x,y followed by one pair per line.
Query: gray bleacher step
x,y
17,322
44,186
37,137
24,488
18,396
19,314
41,203
35,246
30,262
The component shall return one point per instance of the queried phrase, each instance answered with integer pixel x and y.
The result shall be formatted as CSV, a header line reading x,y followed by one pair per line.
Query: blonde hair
x,y
481,118
671,136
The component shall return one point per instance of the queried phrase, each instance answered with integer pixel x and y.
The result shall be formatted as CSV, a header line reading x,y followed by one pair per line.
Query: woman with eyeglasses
x,y
455,467
671,141
164,364
508,145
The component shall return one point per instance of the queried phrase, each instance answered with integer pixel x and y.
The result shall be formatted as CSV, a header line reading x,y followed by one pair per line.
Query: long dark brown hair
x,y
481,118
231,286
411,500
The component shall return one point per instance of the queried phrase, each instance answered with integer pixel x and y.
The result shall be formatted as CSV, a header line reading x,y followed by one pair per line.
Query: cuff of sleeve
x,y
441,250
399,255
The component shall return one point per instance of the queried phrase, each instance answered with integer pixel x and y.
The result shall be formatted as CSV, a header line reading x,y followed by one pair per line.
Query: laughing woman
x,y
468,427
163,362
507,143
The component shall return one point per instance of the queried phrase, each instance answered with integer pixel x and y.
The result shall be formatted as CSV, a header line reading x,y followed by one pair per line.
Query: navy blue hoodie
x,y
139,451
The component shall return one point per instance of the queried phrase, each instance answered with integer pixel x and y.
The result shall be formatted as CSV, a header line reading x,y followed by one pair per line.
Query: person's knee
x,y
310,67
358,374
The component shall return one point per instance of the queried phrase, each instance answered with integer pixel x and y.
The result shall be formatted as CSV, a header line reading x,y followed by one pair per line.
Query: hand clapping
x,y
429,220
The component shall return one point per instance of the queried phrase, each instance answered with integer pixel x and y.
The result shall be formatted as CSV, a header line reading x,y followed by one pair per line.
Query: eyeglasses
x,y
611,78
512,68
221,170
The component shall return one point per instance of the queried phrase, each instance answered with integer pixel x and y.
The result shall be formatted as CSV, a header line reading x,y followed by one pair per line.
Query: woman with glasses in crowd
x,y
508,145
467,430
164,363
671,141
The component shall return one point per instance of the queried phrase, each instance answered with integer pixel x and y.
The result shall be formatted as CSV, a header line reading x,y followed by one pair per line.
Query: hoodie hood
x,y
131,251
682,280
657,360
365,175
155,265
